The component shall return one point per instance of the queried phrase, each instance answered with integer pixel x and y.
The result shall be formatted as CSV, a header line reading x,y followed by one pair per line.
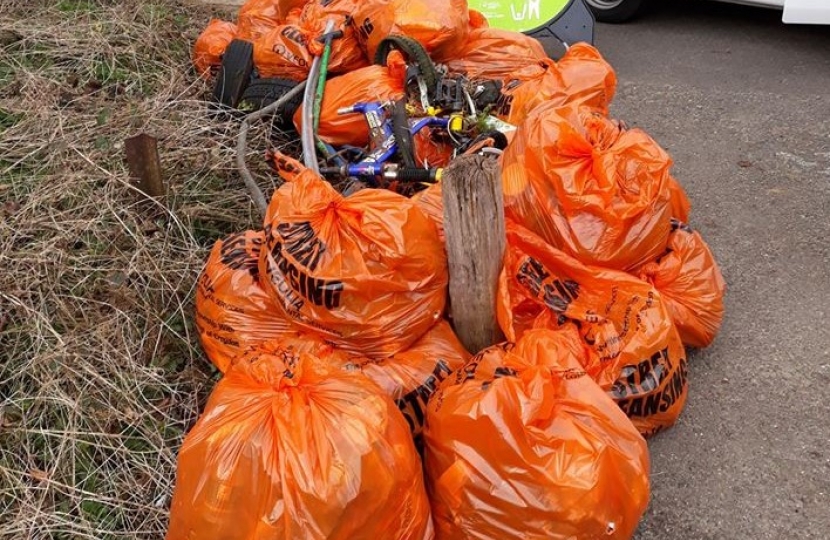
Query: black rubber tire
x,y
234,73
415,52
263,92
403,135
625,10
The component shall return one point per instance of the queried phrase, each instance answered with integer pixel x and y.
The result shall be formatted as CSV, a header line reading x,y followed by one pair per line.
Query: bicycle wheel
x,y
416,54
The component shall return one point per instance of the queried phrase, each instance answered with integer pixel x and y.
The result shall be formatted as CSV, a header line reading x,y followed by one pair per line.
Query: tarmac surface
x,y
742,102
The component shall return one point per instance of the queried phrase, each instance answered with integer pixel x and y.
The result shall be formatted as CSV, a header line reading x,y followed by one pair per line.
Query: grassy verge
x,y
100,369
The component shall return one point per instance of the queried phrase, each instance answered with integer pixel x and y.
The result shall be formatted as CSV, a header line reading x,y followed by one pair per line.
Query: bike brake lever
x,y
414,73
422,87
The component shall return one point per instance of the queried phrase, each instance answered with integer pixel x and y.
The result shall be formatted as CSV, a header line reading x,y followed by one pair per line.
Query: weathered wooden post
x,y
474,231
145,166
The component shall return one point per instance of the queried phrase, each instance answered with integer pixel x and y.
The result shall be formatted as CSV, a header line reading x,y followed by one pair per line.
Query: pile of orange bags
x,y
285,37
595,238
328,326
587,187
367,273
340,369
235,313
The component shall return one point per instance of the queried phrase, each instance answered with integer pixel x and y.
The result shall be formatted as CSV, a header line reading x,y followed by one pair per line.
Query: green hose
x,y
321,84
318,96
307,136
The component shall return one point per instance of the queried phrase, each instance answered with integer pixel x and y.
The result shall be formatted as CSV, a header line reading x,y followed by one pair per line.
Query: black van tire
x,y
615,11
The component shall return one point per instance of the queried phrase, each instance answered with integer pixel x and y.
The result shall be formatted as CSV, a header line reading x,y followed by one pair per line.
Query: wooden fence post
x,y
474,231
145,166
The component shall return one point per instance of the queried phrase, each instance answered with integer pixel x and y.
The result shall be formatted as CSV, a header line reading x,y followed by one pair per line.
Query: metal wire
x,y
242,145
307,136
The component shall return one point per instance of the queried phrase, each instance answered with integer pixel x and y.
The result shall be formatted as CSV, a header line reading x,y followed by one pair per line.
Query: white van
x,y
795,11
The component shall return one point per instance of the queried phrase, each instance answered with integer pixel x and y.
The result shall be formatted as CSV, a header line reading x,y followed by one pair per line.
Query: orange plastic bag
x,y
431,151
291,446
233,311
287,50
282,52
521,443
439,25
589,187
346,53
691,284
492,53
431,202
367,271
372,83
529,87
635,352
681,207
412,376
209,46
580,78
258,17
590,81
477,20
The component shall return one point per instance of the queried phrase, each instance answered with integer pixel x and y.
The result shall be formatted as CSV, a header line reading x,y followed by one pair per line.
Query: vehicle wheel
x,y
415,52
615,11
403,136
234,72
263,92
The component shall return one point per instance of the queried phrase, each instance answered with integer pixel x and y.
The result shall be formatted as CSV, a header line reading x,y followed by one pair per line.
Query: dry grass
x,y
100,369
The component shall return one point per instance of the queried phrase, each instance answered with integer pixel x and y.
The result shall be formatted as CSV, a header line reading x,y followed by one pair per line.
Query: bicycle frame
x,y
380,126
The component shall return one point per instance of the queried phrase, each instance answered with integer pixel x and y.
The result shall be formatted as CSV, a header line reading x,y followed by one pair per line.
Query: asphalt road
x,y
742,102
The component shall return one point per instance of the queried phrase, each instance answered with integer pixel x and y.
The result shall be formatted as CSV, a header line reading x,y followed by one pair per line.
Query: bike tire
x,y
415,52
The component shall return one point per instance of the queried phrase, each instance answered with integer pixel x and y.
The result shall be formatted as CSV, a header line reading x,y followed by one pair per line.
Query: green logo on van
x,y
519,15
